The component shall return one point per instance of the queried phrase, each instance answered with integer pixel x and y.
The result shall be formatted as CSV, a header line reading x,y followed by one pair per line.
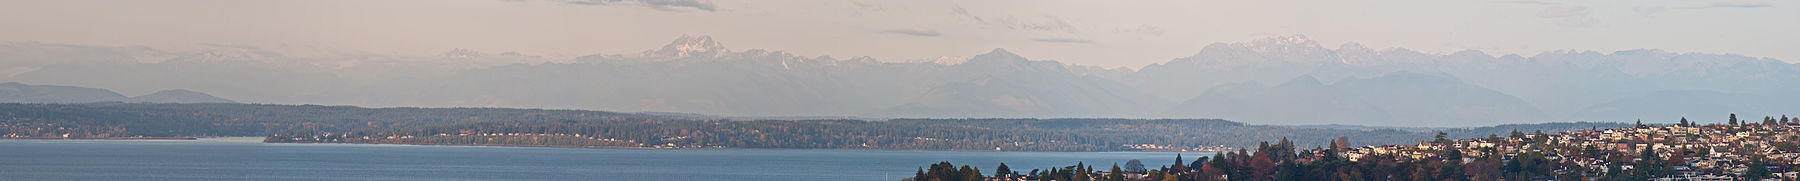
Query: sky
x,y
1103,33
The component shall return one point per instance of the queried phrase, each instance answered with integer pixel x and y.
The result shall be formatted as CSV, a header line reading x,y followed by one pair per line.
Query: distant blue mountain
x,y
14,92
1399,98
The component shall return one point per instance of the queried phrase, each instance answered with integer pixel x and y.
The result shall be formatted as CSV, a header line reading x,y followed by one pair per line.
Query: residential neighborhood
x,y
1686,150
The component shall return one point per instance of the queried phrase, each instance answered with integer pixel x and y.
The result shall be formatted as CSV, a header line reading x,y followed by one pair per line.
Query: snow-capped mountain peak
x,y
944,60
691,46
1000,54
1284,44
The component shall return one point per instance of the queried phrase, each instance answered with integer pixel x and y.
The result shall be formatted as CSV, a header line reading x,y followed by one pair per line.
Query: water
x,y
246,159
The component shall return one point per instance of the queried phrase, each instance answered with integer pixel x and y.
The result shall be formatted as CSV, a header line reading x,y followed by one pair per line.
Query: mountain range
x,y
14,92
1278,80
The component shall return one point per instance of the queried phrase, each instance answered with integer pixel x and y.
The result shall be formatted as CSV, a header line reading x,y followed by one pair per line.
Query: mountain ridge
x,y
1399,98
15,92
696,74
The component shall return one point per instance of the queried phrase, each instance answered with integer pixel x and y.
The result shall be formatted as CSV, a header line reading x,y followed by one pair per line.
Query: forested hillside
x,y
573,128
218,119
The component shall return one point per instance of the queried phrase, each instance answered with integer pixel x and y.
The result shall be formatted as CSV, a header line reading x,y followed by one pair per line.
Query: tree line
x,y
313,123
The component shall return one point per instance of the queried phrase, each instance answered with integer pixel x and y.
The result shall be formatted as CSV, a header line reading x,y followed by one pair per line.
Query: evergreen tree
x,y
1090,170
1758,170
1284,150
974,174
1334,146
1178,164
1441,138
1178,159
1650,166
919,176
1516,134
1115,174
1081,172
942,171
1451,167
1733,121
970,173
1263,147
1002,171
1684,122
1289,171
1512,167
1218,161
1241,164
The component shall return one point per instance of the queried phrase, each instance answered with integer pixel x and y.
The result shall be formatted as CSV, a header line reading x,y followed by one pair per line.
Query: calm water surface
x,y
247,159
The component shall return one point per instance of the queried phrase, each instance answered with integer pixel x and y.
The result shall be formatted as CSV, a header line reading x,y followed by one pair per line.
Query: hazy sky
x,y
1107,33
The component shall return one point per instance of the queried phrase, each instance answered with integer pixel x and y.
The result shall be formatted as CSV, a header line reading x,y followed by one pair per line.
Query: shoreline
x,y
571,146
107,138
719,148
